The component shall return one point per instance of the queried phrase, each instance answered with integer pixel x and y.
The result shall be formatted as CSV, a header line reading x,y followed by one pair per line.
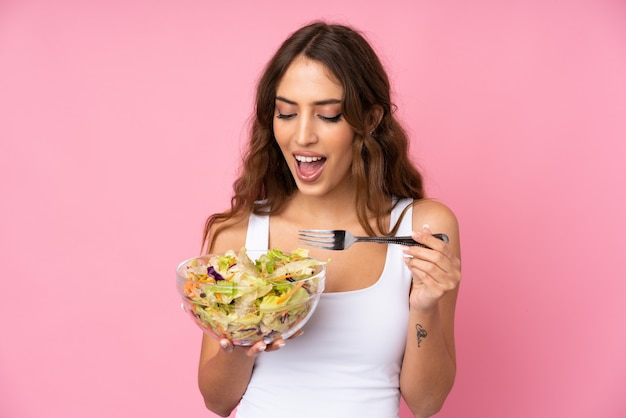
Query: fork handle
x,y
403,240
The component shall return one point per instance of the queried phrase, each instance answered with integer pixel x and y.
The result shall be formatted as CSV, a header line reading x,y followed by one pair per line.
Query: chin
x,y
309,189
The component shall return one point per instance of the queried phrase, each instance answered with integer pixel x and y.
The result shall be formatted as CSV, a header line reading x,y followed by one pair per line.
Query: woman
x,y
326,152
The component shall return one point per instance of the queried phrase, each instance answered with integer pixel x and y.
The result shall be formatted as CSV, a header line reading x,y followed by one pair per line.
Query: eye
x,y
333,119
285,116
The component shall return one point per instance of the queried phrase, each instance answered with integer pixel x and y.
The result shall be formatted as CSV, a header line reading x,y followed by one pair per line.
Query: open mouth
x,y
309,168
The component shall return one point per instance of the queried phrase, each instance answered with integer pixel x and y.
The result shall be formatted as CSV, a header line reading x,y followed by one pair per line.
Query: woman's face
x,y
309,127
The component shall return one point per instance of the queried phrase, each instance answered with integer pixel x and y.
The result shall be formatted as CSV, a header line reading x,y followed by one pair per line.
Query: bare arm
x,y
224,371
429,365
223,376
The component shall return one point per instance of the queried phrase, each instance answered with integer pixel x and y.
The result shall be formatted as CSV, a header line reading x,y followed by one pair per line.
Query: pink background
x,y
121,124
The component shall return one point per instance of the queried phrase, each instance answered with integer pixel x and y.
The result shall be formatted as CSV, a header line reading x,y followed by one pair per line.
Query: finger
x,y
432,258
277,344
297,334
257,348
430,274
226,345
436,251
425,236
424,269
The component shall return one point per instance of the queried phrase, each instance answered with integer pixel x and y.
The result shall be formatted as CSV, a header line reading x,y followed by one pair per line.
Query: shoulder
x,y
229,234
432,208
435,214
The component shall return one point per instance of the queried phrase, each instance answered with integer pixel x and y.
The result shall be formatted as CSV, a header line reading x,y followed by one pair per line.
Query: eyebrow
x,y
318,103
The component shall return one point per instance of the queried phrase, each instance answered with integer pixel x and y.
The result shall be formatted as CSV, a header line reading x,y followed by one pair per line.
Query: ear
x,y
374,118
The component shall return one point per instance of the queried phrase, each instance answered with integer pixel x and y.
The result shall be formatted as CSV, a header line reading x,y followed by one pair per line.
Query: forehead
x,y
307,78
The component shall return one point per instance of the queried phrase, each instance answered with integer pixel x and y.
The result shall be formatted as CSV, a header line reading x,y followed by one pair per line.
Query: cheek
x,y
347,142
345,150
280,137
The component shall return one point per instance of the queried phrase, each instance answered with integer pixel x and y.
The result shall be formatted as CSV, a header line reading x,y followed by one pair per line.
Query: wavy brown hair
x,y
381,166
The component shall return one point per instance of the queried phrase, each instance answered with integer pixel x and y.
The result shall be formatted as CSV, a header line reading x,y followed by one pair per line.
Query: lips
x,y
309,167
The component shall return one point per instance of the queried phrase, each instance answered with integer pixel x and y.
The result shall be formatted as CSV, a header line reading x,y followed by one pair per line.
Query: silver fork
x,y
339,239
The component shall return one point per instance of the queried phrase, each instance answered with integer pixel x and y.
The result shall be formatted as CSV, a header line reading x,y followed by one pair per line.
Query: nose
x,y
305,133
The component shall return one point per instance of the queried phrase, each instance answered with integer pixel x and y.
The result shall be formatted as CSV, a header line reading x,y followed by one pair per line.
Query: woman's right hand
x,y
255,349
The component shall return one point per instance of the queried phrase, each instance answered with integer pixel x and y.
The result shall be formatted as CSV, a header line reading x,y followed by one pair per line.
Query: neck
x,y
338,209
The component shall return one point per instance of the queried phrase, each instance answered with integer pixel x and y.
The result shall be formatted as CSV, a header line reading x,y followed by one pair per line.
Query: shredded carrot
x,y
283,277
223,330
189,288
287,295
249,334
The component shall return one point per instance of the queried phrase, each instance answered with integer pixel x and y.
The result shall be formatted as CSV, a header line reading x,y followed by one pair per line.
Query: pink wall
x,y
120,130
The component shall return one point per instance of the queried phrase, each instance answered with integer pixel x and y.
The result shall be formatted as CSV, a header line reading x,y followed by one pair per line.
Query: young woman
x,y
326,152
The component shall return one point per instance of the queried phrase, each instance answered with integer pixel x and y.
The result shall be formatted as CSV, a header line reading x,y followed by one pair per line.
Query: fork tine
x,y
319,245
317,231
328,239
317,237
321,241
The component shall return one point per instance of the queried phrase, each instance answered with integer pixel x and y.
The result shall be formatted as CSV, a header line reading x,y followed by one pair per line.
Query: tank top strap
x,y
406,224
257,238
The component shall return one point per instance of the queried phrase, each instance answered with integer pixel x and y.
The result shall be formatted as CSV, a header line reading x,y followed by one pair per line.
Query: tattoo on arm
x,y
421,334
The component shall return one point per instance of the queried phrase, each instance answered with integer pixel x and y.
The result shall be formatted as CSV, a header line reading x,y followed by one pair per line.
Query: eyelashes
x,y
333,119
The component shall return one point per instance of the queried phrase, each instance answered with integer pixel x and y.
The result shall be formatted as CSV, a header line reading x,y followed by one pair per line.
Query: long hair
x,y
381,166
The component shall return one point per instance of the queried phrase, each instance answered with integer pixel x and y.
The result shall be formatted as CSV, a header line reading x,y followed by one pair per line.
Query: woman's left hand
x,y
436,270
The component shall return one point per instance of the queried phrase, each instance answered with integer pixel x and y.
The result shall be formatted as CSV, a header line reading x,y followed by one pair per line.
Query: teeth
x,y
303,159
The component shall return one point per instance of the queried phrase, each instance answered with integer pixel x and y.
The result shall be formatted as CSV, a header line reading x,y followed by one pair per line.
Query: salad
x,y
233,297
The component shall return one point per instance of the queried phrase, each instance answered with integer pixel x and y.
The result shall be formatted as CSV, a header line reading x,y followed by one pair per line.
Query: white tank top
x,y
347,362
